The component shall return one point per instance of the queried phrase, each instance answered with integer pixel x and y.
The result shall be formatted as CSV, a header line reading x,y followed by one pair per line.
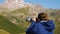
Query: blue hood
x,y
43,27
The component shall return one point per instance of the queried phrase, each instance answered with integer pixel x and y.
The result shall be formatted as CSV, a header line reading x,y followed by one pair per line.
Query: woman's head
x,y
42,16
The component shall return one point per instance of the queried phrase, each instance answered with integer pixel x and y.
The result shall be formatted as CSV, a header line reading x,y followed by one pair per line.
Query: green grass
x,y
8,26
57,29
3,32
22,10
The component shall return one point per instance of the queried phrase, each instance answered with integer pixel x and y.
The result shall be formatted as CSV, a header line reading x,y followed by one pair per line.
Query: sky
x,y
1,1
55,4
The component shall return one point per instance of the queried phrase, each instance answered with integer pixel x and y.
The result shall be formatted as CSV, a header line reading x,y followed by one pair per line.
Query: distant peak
x,y
13,4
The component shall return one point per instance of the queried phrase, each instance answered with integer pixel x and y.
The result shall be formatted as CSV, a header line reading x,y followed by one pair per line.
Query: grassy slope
x,y
3,32
5,24
8,26
57,29
22,10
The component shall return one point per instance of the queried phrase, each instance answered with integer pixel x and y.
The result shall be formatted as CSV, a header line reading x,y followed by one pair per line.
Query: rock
x,y
13,4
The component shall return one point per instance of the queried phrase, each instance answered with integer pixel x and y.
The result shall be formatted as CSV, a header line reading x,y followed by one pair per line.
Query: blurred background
x,y
13,14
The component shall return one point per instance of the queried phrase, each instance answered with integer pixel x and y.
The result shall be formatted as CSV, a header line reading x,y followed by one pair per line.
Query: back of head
x,y
42,16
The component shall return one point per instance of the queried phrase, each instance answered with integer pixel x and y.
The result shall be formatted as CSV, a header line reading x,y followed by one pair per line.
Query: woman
x,y
42,25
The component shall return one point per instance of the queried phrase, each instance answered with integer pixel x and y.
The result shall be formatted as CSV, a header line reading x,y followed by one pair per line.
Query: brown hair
x,y
42,16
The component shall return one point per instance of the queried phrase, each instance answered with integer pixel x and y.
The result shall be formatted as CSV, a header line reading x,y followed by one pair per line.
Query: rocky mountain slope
x,y
20,8
13,4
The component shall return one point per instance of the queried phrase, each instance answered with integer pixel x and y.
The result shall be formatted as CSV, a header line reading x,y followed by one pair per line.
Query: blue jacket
x,y
43,27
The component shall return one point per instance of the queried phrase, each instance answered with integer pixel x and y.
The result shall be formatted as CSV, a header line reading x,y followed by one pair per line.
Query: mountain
x,y
13,4
19,7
